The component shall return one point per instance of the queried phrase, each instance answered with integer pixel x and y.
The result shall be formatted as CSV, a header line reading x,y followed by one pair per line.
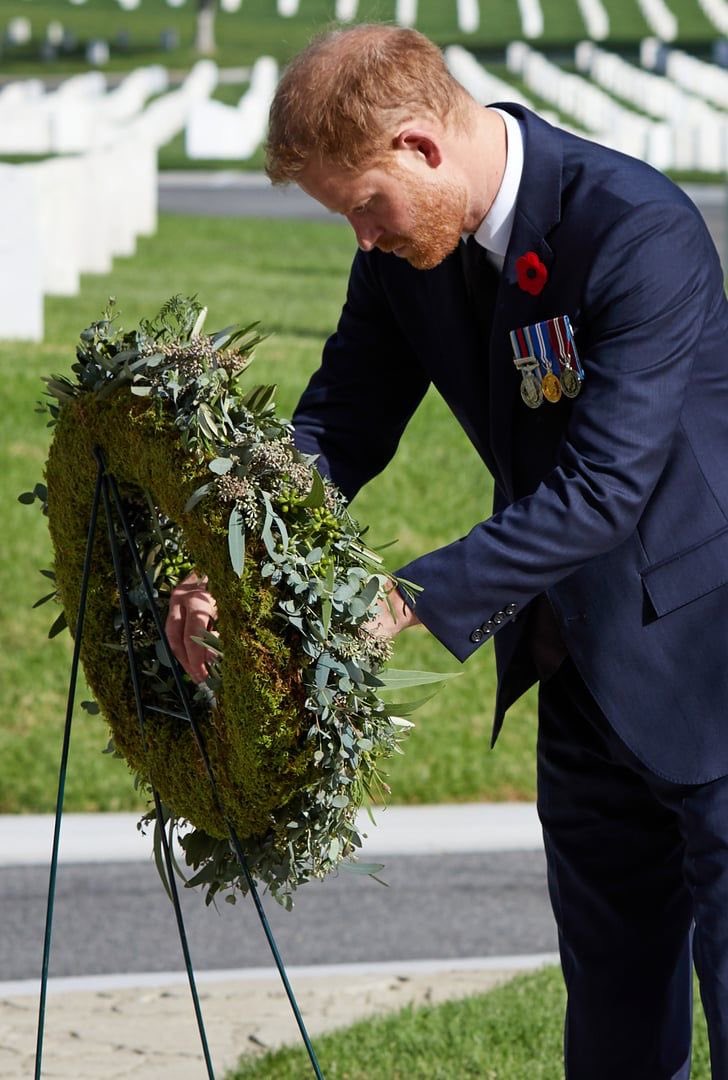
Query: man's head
x,y
370,122
343,97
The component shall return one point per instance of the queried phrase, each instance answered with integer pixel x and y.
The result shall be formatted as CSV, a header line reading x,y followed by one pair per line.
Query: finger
x,y
197,622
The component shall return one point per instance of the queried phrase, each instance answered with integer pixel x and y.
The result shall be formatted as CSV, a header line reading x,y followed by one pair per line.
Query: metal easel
x,y
106,496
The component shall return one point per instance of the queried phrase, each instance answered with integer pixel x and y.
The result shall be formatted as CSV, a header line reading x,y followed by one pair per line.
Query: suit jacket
x,y
614,504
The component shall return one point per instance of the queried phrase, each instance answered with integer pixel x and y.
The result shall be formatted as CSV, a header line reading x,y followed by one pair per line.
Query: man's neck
x,y
481,152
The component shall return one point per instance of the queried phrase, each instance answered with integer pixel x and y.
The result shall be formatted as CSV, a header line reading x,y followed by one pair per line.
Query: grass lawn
x,y
512,1033
292,277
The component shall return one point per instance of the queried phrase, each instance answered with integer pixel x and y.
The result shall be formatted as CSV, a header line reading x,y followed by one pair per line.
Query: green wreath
x,y
291,715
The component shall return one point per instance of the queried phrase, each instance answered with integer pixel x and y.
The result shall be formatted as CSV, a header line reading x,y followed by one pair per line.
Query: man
x,y
585,355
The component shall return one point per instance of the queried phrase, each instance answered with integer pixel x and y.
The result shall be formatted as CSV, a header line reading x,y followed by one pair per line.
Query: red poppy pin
x,y
531,273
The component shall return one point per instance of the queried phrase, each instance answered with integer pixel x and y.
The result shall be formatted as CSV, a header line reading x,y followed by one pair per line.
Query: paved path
x,y
466,907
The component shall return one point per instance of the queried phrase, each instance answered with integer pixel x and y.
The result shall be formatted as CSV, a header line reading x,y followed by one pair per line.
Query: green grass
x,y
511,1033
290,276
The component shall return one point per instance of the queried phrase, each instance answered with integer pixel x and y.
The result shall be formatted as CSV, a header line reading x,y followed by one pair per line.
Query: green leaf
x,y
317,493
59,625
197,496
221,465
404,708
141,391
326,614
206,421
208,641
45,599
362,867
236,540
393,679
41,492
199,323
27,498
91,707
223,337
159,859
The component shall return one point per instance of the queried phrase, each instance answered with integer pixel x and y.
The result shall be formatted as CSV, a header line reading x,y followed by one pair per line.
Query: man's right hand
x,y
192,611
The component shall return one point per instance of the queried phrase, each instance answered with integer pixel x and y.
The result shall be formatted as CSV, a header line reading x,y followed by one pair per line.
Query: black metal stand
x,y
106,494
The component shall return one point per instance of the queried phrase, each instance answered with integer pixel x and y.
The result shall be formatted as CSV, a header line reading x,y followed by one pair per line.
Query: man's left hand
x,y
392,615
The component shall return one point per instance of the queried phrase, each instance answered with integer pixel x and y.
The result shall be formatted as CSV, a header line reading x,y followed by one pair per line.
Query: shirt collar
x,y
494,231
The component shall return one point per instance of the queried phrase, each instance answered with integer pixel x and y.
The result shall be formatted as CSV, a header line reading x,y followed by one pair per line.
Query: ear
x,y
422,142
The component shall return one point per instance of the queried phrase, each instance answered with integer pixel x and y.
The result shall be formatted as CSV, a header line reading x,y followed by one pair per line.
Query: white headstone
x,y
21,295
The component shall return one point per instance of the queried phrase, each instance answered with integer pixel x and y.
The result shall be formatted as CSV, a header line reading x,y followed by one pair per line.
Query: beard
x,y
438,221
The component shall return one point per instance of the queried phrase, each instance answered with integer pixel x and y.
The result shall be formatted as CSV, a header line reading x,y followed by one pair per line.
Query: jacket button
x,y
488,627
511,609
499,617
476,636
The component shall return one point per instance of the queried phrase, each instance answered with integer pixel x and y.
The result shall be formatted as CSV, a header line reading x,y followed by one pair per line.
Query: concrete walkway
x,y
142,1026
108,1030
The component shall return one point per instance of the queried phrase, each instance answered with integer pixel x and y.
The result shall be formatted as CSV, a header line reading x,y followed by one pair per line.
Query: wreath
x,y
291,714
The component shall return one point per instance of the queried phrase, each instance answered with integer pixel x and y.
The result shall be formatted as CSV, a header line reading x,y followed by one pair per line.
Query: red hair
x,y
341,99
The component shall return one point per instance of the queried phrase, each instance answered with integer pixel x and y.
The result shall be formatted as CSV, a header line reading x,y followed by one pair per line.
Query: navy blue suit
x,y
613,506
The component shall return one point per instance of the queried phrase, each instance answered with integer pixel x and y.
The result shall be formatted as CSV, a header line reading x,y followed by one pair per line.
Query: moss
x,y
254,738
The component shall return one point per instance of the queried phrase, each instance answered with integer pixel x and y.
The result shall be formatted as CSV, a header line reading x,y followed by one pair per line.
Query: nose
x,y
366,233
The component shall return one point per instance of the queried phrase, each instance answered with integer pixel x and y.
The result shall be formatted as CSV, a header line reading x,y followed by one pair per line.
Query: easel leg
x,y
62,770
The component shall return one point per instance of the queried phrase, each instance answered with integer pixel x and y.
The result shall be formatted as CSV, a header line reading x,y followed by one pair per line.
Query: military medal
x,y
531,386
551,387
548,363
546,356
561,337
570,382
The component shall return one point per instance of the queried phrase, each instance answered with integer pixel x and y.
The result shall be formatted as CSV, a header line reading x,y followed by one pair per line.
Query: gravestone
x,y
21,296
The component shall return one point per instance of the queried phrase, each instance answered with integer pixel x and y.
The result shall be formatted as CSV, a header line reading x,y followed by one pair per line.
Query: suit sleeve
x,y
651,289
358,403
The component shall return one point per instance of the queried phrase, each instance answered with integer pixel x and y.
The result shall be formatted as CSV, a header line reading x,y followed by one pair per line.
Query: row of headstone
x,y
233,132
651,93
706,80
486,87
67,216
659,18
73,214
79,115
694,138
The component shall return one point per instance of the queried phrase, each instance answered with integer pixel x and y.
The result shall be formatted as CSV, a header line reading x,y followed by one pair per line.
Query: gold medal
x,y
570,382
551,388
531,391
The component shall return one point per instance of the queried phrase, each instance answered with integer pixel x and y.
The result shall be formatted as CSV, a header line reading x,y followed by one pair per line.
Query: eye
x,y
362,207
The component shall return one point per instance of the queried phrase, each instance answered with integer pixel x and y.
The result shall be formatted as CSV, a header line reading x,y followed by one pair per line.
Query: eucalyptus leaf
x,y
46,598
236,540
221,465
197,496
394,679
317,494
59,625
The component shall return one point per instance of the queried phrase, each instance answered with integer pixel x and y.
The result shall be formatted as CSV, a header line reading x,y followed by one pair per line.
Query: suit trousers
x,y
638,880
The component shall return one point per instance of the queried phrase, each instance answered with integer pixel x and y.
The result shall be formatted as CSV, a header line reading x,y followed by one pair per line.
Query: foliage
x,y
293,721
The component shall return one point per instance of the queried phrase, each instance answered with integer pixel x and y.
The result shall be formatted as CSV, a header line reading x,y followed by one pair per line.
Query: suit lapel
x,y
538,210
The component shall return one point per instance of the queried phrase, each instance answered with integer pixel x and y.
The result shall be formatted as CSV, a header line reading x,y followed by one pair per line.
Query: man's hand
x,y
392,615
191,611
